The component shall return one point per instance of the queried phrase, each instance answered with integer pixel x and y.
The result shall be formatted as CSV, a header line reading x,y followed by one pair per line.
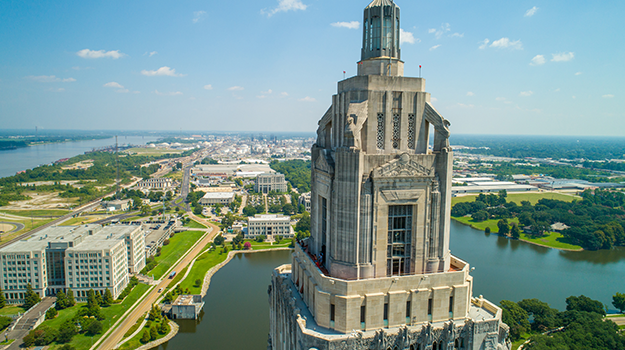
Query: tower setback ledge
x,y
381,83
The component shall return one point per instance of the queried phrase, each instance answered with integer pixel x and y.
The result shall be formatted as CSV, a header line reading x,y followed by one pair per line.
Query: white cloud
x,y
50,79
608,96
433,99
526,93
348,25
208,87
507,43
578,73
114,85
538,60
284,94
500,99
266,92
198,16
470,93
484,44
86,53
122,91
173,93
162,71
438,33
556,90
307,99
407,37
152,53
236,88
531,12
465,106
56,89
434,47
284,6
81,68
457,35
562,57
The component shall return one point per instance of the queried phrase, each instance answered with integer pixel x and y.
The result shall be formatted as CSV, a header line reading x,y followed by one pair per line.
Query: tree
x,y
618,300
61,300
219,240
277,238
70,298
66,332
145,210
249,210
487,230
30,298
5,322
515,317
480,216
155,313
544,316
247,246
304,223
584,303
515,231
3,300
108,298
504,228
164,328
51,313
197,210
98,299
153,333
145,338
198,283
95,327
66,347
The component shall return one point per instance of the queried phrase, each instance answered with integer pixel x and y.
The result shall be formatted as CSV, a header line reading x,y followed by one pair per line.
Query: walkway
x,y
28,322
116,334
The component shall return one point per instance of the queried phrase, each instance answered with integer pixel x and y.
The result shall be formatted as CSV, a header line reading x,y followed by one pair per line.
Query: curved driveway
x,y
17,225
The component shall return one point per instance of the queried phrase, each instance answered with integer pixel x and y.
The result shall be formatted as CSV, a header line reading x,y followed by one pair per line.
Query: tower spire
x,y
381,53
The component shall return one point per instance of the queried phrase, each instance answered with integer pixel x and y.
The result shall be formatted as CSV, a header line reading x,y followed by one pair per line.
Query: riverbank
x,y
553,240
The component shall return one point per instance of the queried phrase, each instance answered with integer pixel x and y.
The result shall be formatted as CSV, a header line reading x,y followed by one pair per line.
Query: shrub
x,y
5,322
145,338
166,242
51,313
247,246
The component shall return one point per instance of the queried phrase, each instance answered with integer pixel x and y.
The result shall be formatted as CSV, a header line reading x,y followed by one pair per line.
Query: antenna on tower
x,y
117,163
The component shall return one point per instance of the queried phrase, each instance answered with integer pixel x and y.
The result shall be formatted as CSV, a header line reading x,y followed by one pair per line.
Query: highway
x,y
118,331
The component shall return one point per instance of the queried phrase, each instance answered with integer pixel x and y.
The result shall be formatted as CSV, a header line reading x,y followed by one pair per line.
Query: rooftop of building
x,y
262,217
218,195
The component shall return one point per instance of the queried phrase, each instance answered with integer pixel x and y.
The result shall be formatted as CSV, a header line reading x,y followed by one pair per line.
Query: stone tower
x,y
377,271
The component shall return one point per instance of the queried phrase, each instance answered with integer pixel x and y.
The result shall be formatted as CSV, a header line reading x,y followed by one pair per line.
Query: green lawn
x,y
194,224
35,213
111,314
519,197
82,220
204,262
178,245
29,224
553,240
484,224
135,341
133,218
264,245
11,310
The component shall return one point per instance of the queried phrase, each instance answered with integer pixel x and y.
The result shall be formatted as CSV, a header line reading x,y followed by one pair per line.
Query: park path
x,y
243,203
116,333
28,321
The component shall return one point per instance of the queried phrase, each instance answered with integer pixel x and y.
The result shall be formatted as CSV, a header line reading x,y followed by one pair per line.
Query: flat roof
x,y
259,217
218,195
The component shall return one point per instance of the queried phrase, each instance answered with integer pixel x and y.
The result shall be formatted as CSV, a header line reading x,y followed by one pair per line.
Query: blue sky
x,y
492,67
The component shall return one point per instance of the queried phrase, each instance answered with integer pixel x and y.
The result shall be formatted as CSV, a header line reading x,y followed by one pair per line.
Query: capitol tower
x,y
377,272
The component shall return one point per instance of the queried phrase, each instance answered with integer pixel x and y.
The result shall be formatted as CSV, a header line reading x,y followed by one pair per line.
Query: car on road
x,y
160,290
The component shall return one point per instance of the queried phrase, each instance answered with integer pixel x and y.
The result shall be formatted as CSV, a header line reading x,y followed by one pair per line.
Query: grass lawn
x,y
265,245
135,326
80,220
111,314
11,310
135,341
29,224
35,213
553,240
484,224
176,175
204,262
194,224
178,245
518,197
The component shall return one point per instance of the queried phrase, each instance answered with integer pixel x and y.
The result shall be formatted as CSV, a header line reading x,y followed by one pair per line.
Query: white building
x,y
304,200
266,183
77,257
162,184
269,225
217,197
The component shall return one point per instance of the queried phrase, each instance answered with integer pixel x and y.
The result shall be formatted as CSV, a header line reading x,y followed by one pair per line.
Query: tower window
x,y
385,314
411,131
388,34
380,134
408,312
376,32
396,130
399,239
363,314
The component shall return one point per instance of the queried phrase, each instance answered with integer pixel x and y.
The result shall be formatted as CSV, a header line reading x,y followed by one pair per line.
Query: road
x,y
27,321
129,320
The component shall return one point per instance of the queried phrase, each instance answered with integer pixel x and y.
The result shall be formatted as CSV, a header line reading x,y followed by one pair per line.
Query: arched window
x,y
434,346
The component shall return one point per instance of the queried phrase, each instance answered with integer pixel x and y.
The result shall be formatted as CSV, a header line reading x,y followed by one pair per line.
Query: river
x,y
12,161
236,313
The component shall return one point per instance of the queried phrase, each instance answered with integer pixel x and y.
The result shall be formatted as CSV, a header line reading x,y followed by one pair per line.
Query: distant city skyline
x,y
528,67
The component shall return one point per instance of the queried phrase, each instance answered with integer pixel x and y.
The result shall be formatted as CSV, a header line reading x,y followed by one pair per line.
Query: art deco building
x,y
377,272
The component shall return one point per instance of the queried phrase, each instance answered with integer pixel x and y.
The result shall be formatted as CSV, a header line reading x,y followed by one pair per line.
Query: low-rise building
x,y
77,257
117,205
266,183
217,197
186,307
269,225
162,184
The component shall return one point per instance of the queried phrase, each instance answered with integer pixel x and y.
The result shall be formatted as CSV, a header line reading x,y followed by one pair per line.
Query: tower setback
x,y
377,272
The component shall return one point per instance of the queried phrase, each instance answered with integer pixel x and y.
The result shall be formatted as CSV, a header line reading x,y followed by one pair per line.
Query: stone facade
x,y
377,272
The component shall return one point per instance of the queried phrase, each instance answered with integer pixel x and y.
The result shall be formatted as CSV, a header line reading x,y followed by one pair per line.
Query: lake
x,y
12,161
236,313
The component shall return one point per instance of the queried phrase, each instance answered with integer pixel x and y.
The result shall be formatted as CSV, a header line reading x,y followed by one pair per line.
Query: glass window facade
x,y
399,239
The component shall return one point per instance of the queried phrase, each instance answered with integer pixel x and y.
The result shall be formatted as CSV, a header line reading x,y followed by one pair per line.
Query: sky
x,y
493,67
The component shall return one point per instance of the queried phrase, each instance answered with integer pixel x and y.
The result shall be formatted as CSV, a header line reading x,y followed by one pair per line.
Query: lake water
x,y
12,161
236,313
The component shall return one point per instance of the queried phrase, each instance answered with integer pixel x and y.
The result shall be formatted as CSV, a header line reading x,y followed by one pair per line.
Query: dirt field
x,y
42,201
6,228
